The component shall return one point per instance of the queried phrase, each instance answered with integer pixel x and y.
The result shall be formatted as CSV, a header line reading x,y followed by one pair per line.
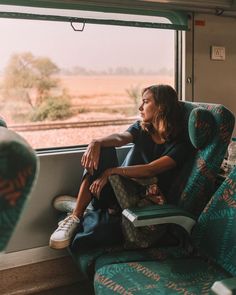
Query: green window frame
x,y
105,13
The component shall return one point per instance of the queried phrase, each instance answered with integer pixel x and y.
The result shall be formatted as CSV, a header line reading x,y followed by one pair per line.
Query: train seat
x,y
210,141
210,266
209,127
18,170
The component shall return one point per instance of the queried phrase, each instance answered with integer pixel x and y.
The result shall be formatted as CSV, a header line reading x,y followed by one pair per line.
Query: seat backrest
x,y
215,232
209,128
18,170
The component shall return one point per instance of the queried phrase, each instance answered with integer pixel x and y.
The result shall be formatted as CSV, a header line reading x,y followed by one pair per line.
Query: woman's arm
x,y
145,170
115,140
91,156
137,171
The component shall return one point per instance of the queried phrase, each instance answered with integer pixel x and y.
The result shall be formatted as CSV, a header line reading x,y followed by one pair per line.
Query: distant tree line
x,y
116,71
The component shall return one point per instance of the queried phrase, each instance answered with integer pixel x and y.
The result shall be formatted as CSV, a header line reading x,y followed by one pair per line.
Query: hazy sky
x,y
98,47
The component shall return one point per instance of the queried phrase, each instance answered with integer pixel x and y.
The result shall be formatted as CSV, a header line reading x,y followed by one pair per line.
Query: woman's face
x,y
148,107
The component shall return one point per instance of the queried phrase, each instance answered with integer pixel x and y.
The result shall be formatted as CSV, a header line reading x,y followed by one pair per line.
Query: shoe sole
x,y
59,245
60,199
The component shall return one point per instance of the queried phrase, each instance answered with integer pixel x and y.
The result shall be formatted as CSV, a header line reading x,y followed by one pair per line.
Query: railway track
x,y
67,125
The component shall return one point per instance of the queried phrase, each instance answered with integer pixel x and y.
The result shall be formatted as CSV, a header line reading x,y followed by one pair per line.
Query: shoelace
x,y
66,224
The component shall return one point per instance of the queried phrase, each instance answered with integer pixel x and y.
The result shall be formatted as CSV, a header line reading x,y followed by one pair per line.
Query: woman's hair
x,y
168,119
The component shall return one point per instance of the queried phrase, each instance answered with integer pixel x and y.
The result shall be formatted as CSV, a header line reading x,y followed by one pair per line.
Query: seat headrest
x,y
201,127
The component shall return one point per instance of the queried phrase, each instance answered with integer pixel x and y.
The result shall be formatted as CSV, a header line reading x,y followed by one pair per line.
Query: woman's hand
x,y
90,158
98,184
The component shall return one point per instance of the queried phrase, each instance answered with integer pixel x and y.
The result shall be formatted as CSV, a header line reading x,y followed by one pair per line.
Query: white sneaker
x,y
62,235
64,203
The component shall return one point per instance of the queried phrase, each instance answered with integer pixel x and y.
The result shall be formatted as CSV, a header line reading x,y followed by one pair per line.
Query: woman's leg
x,y
108,159
62,235
107,199
84,197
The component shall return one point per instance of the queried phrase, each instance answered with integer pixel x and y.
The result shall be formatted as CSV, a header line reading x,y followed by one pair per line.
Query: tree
x,y
44,82
30,77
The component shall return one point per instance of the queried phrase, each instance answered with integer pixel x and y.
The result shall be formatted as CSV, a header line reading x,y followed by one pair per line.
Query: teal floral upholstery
x,y
215,232
201,127
188,276
210,127
121,255
18,168
213,257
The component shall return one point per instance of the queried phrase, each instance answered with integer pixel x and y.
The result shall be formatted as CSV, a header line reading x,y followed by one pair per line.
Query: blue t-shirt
x,y
145,150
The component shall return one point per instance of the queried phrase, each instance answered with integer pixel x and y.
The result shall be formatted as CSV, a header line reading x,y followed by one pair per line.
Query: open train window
x,y
60,88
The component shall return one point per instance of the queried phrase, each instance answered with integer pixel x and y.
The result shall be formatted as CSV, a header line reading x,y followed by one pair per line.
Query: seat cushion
x,y
149,254
178,276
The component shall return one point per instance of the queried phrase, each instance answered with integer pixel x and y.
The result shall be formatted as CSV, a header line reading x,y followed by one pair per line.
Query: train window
x,y
61,88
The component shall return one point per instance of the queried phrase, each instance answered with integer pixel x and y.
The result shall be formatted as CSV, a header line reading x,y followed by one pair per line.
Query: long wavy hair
x,y
168,119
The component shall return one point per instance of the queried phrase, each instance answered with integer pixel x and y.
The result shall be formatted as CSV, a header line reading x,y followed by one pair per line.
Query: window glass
x,y
59,87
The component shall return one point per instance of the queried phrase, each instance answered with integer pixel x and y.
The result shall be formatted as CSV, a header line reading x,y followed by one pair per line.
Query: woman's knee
x,y
108,159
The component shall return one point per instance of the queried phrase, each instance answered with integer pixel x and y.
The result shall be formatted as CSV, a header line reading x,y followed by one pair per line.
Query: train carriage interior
x,y
74,70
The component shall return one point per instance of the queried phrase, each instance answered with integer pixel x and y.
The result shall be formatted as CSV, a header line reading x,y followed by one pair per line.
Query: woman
x,y
158,149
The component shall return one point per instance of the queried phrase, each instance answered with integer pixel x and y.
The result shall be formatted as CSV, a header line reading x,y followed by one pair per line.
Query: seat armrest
x,y
224,287
156,214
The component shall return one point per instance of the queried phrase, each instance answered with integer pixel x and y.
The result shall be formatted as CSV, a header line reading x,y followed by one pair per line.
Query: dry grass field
x,y
99,93
92,98
99,86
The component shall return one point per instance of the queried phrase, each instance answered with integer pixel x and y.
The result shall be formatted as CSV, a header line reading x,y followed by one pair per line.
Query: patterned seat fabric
x,y
18,168
215,232
214,238
210,127
188,276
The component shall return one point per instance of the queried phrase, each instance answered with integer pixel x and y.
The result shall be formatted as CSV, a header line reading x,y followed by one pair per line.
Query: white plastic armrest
x,y
155,214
